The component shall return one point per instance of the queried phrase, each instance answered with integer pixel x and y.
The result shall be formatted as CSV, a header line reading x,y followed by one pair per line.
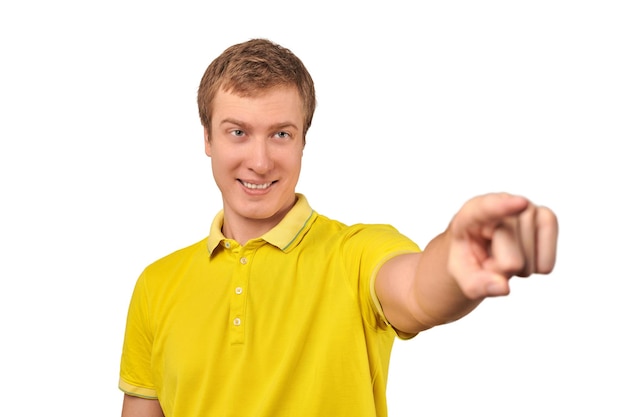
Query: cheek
x,y
295,166
223,158
219,165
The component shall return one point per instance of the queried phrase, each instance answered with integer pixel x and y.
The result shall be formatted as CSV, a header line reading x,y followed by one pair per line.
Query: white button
x,y
227,244
243,261
237,321
238,290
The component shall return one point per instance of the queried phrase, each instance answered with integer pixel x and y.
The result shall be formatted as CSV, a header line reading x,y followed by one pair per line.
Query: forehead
x,y
275,102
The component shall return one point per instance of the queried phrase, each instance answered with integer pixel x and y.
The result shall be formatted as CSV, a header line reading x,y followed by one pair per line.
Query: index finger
x,y
489,209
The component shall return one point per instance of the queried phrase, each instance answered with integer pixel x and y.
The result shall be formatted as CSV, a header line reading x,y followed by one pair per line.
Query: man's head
x,y
252,68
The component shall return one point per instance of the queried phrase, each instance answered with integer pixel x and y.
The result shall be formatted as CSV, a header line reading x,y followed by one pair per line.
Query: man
x,y
282,311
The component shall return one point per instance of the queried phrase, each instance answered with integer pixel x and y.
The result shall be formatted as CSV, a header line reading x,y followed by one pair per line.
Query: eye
x,y
283,135
237,132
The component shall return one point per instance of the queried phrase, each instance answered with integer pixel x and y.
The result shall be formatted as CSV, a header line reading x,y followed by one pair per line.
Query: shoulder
x,y
360,234
177,259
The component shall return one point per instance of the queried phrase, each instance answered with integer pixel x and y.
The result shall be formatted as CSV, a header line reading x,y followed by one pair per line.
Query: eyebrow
x,y
246,126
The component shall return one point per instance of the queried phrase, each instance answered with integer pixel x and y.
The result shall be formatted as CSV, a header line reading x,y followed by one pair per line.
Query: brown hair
x,y
250,68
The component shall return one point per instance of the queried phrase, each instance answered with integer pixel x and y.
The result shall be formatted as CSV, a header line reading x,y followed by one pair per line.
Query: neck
x,y
244,229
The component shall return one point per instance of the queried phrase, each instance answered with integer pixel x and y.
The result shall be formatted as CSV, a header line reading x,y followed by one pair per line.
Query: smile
x,y
255,186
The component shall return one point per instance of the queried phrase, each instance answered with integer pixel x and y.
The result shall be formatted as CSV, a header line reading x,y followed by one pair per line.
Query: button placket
x,y
239,297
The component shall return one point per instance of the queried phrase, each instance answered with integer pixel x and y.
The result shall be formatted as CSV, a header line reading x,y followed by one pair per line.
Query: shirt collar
x,y
284,235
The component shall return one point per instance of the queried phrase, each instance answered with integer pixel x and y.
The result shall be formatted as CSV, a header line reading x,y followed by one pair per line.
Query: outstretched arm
x,y
492,238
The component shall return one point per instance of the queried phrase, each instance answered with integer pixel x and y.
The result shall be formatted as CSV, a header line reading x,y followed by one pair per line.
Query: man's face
x,y
256,150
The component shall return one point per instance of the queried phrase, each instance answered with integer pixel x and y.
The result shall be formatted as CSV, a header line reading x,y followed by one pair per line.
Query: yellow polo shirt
x,y
286,325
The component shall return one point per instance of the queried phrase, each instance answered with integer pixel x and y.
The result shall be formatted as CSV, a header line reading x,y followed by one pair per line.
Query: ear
x,y
207,143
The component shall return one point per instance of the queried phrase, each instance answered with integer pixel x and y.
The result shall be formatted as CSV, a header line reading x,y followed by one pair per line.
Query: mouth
x,y
255,186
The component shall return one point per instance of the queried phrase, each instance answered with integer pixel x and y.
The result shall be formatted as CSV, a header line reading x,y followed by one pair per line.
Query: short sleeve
x,y
136,376
366,249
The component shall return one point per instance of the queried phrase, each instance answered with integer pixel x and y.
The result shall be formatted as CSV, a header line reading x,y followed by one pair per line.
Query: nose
x,y
259,158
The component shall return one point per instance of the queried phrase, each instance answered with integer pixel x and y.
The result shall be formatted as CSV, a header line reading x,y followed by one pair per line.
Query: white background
x,y
102,171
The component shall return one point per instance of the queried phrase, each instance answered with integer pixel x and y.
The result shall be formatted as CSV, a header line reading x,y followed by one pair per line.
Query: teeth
x,y
256,186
